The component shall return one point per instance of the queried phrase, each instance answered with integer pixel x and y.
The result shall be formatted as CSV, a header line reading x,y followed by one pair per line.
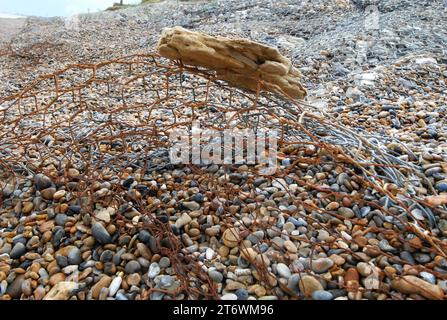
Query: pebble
x,y
133,279
104,282
120,296
346,212
191,205
59,195
441,186
229,296
154,270
183,221
17,251
74,256
231,237
100,233
322,295
62,291
42,182
323,235
48,193
115,286
322,265
290,246
164,262
429,277
283,270
216,276
308,285
241,294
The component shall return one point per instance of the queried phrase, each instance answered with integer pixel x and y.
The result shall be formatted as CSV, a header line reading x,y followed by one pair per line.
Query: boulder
x,y
240,62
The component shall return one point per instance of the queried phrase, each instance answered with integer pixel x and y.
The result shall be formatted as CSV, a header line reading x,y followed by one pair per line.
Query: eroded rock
x,y
240,62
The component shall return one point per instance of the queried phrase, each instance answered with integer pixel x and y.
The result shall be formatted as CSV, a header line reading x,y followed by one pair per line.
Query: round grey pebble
x,y
132,267
216,276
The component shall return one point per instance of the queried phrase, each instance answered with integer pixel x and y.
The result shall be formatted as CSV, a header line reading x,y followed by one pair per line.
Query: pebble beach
x,y
318,230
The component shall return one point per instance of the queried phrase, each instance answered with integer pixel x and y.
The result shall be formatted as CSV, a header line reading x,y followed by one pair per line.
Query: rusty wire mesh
x,y
115,117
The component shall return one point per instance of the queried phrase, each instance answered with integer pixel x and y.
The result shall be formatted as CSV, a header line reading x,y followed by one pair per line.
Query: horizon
x,y
53,8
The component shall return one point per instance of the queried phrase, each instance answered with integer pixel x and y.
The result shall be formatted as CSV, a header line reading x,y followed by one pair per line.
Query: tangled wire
x,y
117,114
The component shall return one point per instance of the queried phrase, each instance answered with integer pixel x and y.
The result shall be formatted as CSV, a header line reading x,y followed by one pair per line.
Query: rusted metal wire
x,y
119,113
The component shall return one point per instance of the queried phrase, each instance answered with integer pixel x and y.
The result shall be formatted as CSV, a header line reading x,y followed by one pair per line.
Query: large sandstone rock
x,y
240,62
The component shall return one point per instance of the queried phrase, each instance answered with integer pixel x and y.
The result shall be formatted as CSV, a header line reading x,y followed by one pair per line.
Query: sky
x,y
50,8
